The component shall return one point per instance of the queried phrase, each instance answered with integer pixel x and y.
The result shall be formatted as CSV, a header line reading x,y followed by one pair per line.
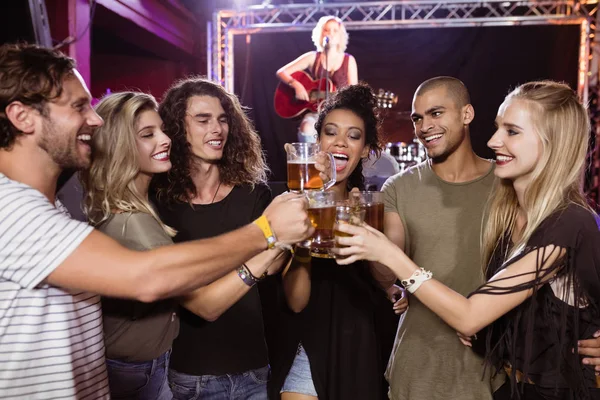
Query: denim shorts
x,y
299,378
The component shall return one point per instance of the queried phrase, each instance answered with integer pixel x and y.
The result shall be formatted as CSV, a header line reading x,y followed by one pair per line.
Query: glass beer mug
x,y
301,171
372,202
321,212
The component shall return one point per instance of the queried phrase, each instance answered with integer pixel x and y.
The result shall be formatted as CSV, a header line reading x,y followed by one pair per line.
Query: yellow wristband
x,y
264,226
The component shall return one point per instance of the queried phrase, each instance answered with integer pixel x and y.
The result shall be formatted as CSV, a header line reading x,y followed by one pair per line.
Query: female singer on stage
x,y
328,344
330,39
541,248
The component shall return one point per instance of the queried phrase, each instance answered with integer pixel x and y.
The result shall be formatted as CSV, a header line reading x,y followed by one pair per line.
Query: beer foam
x,y
302,162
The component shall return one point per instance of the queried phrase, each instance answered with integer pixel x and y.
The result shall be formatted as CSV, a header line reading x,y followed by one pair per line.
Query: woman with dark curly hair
x,y
328,346
217,184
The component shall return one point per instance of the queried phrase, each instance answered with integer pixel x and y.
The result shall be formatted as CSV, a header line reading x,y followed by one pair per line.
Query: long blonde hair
x,y
317,33
562,123
109,183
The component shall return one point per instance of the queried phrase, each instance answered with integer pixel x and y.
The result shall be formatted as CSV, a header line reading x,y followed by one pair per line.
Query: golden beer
x,y
345,214
303,175
322,219
374,215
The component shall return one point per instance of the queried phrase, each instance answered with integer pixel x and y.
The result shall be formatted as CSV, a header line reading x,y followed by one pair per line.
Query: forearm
x,y
284,76
466,315
297,284
175,270
383,275
211,301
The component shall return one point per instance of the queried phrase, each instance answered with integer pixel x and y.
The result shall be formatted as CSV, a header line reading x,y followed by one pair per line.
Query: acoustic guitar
x,y
288,106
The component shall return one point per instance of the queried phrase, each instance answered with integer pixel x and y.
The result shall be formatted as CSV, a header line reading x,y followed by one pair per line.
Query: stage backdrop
x,y
490,61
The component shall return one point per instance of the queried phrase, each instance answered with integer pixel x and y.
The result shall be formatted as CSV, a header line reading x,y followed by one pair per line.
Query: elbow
x,y
468,327
202,308
207,315
150,288
297,306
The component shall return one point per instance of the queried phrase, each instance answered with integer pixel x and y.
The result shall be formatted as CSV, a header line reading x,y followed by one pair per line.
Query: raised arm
x,y
101,265
466,315
211,301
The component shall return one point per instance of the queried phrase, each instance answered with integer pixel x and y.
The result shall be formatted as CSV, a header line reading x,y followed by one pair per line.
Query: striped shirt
x,y
51,341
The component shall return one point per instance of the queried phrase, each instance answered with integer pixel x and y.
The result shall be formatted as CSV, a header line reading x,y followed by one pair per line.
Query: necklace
x,y
216,191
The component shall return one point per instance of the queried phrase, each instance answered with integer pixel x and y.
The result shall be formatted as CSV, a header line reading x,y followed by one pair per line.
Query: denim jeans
x,y
139,380
250,385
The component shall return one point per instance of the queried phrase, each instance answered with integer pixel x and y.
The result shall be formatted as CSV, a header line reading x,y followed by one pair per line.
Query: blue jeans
x,y
139,380
250,385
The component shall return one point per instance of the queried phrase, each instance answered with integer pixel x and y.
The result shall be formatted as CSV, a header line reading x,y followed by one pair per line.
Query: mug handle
x,y
331,181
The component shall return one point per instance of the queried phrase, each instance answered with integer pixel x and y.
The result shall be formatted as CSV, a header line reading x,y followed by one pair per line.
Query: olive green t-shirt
x,y
136,331
442,223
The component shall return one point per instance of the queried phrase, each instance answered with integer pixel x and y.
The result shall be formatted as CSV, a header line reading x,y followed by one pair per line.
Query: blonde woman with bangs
x,y
331,40
541,252
128,150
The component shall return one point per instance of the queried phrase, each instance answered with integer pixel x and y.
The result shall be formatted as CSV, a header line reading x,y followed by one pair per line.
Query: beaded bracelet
x,y
416,279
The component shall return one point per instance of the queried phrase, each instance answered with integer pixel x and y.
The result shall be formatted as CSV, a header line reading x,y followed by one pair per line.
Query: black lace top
x,y
538,339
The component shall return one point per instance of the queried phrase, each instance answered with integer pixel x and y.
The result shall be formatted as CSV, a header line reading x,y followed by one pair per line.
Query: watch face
x,y
271,241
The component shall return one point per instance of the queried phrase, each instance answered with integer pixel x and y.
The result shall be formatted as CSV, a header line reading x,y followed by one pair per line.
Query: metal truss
x,y
374,15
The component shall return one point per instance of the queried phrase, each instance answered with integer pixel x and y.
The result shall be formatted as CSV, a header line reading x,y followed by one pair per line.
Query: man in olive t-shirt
x,y
434,213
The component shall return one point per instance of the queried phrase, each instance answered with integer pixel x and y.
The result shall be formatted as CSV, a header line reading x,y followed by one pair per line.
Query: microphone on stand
x,y
326,42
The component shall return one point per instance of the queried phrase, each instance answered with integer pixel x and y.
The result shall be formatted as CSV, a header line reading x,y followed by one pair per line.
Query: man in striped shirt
x,y
52,268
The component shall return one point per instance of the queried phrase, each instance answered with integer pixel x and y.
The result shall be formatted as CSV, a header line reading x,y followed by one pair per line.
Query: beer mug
x,y
346,214
301,170
321,212
372,202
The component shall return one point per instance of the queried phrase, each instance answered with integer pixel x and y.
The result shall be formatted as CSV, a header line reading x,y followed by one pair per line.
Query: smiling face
x,y
343,135
206,127
440,122
517,146
153,145
67,129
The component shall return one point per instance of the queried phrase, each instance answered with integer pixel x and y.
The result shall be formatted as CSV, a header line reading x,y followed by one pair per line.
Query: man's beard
x,y
61,147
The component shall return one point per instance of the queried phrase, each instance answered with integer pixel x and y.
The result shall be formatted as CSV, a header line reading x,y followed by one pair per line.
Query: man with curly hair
x,y
52,267
217,184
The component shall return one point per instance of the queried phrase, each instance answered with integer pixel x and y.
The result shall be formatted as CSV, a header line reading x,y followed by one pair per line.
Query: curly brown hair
x,y
361,100
243,159
32,75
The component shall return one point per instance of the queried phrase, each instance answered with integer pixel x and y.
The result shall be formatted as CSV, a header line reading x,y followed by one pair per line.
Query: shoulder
x,y
409,176
566,226
136,230
258,190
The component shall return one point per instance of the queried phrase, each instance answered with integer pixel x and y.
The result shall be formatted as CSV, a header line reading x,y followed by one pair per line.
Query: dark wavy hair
x,y
32,75
243,159
361,100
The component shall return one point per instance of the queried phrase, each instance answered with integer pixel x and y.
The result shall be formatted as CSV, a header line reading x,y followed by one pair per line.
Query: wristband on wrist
x,y
245,275
416,279
264,226
256,280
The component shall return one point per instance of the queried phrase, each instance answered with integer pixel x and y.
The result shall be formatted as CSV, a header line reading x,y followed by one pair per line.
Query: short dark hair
x,y
32,75
361,100
455,88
